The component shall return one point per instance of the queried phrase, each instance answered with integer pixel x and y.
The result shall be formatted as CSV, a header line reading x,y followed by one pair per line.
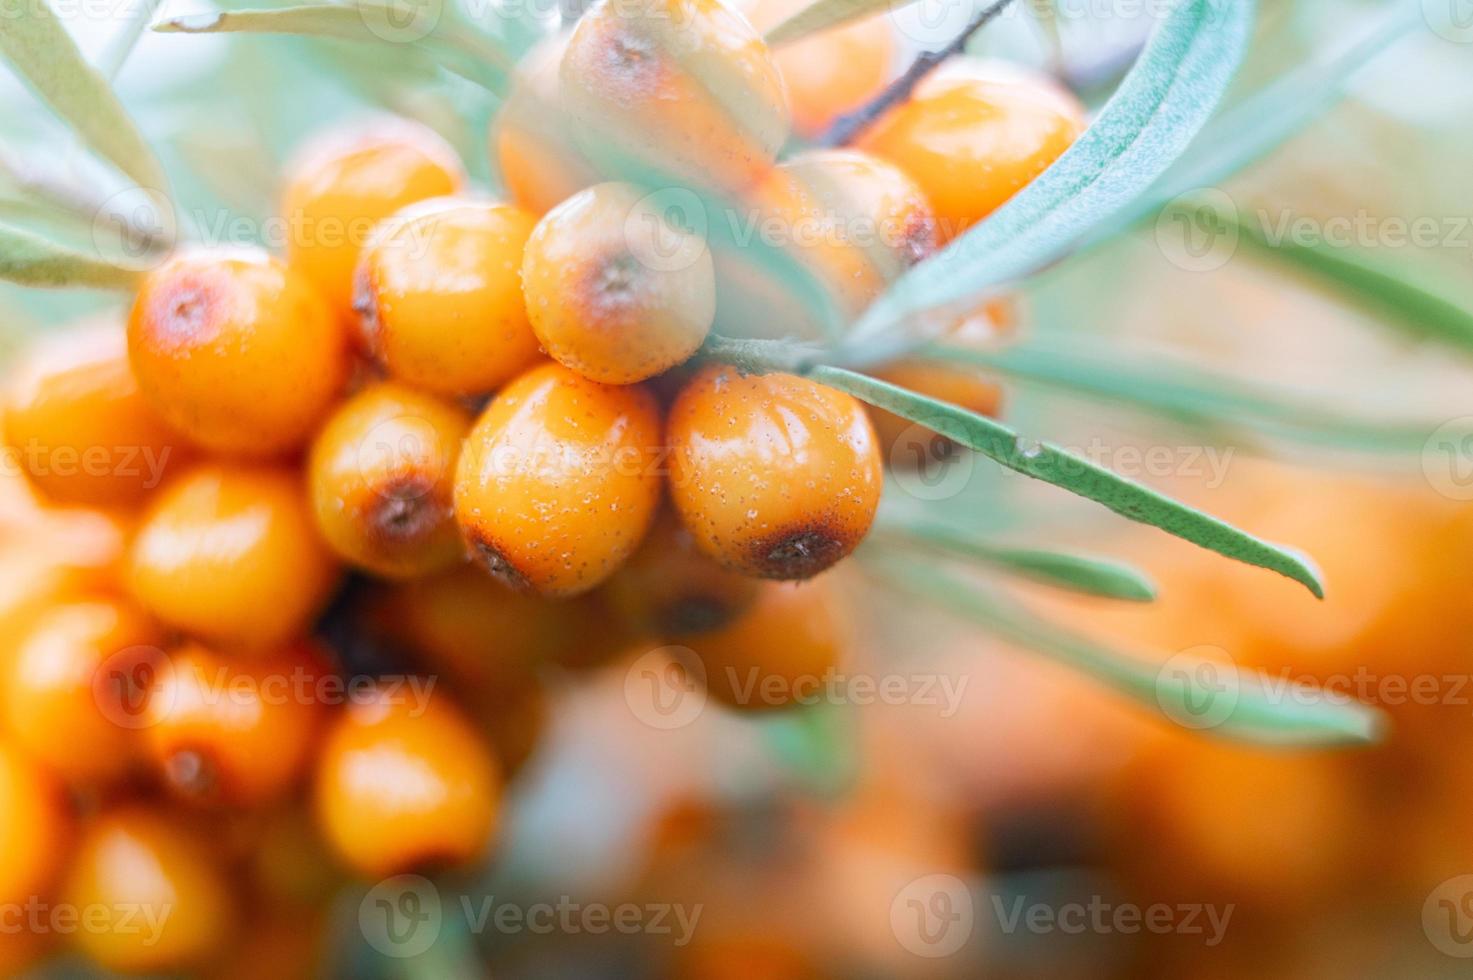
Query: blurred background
x,y
998,815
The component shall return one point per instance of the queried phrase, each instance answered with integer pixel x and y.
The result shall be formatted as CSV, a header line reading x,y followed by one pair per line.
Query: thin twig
x,y
849,126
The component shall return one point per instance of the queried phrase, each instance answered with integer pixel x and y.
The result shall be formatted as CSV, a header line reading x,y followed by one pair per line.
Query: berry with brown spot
x,y
236,351
440,295
559,480
775,475
381,475
614,290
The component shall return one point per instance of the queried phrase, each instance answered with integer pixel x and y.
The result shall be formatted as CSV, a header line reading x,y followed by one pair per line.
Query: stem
x,y
761,356
847,127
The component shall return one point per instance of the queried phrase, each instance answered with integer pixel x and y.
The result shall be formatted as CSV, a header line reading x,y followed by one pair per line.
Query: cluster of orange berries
x,y
264,423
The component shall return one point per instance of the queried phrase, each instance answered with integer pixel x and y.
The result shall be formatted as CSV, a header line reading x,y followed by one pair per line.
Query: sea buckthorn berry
x,y
288,863
973,139
684,89
35,827
614,290
236,351
382,480
491,639
440,293
405,784
344,183
670,587
856,223
777,653
541,164
515,726
559,480
830,73
168,900
21,950
81,428
74,687
230,554
74,544
776,476
230,732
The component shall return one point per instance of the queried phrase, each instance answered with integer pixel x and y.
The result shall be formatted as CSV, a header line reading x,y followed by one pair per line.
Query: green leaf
x,y
41,51
1414,309
1078,573
1183,395
1163,102
1198,692
1051,464
822,15
455,46
33,261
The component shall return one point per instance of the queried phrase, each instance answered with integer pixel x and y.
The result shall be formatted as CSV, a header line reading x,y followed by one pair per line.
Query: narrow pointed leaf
x,y
1231,702
41,51
1084,574
389,22
33,261
1051,464
1185,395
1400,303
1159,107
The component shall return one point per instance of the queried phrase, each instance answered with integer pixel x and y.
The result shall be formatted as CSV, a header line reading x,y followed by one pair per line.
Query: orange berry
x,y
230,554
833,72
489,638
405,784
856,223
72,689
236,351
439,289
972,138
348,180
670,588
288,862
776,476
83,431
541,164
515,727
777,653
614,290
382,480
54,544
558,480
168,900
679,89
35,828
21,950
238,733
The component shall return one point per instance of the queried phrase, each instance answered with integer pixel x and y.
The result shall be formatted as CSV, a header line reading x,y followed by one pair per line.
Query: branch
x,y
847,127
